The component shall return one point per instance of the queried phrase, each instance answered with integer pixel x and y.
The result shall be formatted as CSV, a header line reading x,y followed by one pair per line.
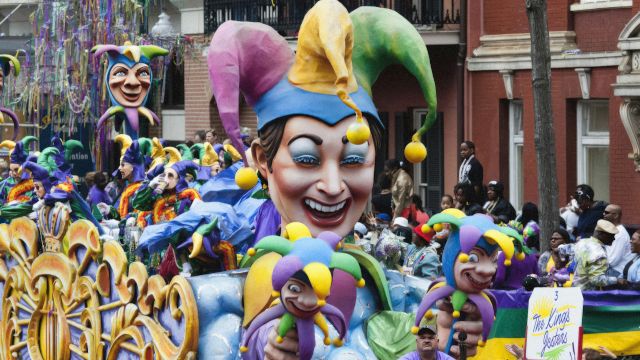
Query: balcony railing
x,y
286,15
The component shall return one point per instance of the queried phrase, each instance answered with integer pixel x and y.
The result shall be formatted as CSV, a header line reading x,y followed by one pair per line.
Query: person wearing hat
x,y
422,258
427,344
499,208
15,188
590,257
167,195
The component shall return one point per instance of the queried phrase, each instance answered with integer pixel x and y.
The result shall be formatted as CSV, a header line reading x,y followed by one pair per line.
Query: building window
x,y
589,5
516,146
593,146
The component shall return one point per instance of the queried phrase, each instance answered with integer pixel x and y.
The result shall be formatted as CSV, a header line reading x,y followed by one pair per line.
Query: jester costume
x,y
132,155
155,208
12,190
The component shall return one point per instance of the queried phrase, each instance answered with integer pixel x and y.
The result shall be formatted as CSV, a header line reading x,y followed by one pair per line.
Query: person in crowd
x,y
587,353
552,259
401,186
499,208
619,253
97,193
631,270
470,171
590,211
115,187
382,201
211,137
591,264
401,228
464,197
199,137
529,213
359,231
414,212
4,169
422,258
427,345
446,202
570,214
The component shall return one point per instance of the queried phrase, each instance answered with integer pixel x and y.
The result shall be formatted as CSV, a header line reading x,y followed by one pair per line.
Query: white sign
x,y
554,324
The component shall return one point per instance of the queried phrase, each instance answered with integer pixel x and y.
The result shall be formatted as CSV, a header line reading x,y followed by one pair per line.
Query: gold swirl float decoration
x,y
91,291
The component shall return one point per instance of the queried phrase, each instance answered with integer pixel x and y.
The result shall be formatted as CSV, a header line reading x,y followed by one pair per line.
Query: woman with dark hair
x,y
552,258
381,201
499,208
464,197
471,171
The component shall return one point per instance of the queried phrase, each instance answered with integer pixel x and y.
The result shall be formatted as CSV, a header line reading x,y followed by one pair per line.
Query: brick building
x,y
591,142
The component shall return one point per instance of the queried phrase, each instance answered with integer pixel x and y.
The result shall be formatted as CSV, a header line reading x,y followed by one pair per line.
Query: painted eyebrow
x,y
316,139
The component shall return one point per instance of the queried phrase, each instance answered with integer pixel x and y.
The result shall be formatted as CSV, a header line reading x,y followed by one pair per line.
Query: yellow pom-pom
x,y
360,283
426,229
507,262
279,339
415,152
456,314
251,252
322,303
463,258
337,342
481,343
358,133
246,178
244,349
438,227
327,341
520,256
414,330
275,293
429,314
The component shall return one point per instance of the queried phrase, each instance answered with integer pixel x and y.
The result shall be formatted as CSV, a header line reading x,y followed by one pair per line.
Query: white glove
x,y
156,180
103,208
38,205
131,221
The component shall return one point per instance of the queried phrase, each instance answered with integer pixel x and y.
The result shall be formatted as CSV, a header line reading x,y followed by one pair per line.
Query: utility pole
x,y
544,134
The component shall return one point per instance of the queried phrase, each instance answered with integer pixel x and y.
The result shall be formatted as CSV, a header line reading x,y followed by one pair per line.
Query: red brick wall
x,y
599,30
509,17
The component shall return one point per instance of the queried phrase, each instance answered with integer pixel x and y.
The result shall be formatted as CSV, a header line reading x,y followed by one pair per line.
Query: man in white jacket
x,y
618,253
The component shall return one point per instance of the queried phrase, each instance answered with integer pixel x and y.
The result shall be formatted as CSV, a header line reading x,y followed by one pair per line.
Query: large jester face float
x,y
314,108
129,79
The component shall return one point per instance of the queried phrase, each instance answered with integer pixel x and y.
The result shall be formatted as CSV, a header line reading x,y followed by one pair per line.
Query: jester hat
x,y
65,150
322,79
130,55
19,150
182,168
133,155
205,156
38,173
7,62
185,152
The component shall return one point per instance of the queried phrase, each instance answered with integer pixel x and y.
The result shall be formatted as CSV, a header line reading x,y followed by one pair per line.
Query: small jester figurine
x,y
468,263
15,188
8,62
129,80
303,279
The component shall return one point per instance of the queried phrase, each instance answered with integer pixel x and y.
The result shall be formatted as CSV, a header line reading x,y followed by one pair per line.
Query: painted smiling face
x,y
317,177
129,86
476,274
299,298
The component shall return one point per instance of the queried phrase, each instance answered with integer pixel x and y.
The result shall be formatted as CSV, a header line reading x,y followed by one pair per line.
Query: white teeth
x,y
327,209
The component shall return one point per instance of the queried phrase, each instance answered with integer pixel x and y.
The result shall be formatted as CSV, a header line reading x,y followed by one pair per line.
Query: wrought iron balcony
x,y
286,15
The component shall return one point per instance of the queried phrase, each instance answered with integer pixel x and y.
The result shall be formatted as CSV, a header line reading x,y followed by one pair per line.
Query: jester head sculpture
x,y
7,64
302,281
469,264
315,109
129,80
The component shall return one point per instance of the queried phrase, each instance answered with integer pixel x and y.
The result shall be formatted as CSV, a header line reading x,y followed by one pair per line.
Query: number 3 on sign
x,y
556,296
